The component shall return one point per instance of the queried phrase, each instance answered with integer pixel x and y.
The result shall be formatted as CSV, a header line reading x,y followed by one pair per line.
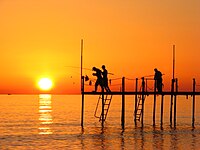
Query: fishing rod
x,y
78,67
84,69
149,76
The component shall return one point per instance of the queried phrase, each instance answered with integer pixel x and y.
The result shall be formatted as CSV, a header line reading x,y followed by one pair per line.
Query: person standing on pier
x,y
105,78
158,79
98,74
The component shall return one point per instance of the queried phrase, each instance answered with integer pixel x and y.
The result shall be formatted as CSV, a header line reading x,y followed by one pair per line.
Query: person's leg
x,y
96,85
159,86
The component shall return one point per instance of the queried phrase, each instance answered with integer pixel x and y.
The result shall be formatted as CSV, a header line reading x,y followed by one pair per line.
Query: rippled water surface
x,y
54,122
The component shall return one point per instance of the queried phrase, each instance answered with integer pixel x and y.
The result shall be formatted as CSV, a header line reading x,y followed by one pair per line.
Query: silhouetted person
x,y
105,78
99,80
158,80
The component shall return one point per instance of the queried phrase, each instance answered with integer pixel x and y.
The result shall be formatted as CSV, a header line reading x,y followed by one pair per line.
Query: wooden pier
x,y
140,95
140,101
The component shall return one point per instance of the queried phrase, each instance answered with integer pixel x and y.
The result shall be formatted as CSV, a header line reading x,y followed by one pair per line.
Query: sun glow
x,y
45,84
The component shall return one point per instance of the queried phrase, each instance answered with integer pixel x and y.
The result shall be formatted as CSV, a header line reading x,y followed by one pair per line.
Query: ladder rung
x,y
106,104
138,113
107,101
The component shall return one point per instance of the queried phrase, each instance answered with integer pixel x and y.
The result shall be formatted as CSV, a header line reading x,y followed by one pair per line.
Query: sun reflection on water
x,y
45,116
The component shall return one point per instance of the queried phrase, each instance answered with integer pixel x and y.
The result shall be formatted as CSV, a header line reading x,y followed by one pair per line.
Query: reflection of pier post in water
x,y
45,117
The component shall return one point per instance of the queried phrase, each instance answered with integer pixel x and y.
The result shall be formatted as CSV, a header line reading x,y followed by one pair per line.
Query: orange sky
x,y
131,37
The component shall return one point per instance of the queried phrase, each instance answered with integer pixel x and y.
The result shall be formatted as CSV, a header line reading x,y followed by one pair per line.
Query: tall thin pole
x,y
82,86
173,62
172,86
81,62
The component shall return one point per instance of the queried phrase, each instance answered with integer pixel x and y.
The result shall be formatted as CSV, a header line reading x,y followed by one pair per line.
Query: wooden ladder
x,y
107,102
138,111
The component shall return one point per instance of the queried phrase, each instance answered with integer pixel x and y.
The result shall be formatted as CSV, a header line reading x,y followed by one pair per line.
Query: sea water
x,y
54,122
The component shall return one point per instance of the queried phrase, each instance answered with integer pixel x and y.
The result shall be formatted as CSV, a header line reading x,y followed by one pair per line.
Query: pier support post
x,y
82,108
123,103
136,89
102,110
193,103
161,112
143,97
171,102
154,103
175,96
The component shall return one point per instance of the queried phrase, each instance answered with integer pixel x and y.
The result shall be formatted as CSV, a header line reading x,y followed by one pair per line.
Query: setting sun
x,y
45,84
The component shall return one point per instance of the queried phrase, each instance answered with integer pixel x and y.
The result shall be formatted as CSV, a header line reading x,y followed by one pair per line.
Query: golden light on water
x,y
45,116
